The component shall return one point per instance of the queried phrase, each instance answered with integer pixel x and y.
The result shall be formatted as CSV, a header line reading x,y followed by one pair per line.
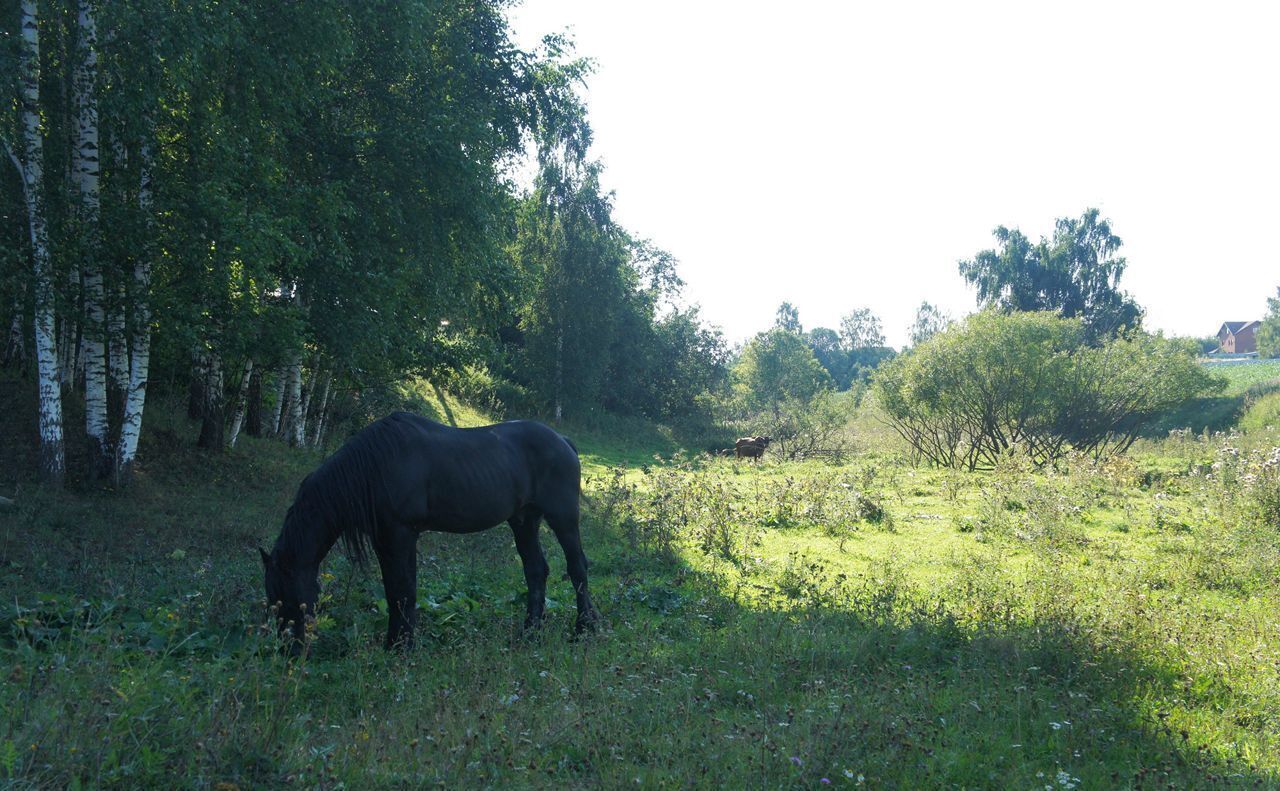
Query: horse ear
x,y
266,559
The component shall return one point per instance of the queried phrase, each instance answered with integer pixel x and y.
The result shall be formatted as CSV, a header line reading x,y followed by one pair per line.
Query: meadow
x,y
796,625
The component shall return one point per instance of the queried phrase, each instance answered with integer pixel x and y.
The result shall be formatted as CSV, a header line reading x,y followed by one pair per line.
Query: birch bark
x,y
53,464
324,405
140,348
275,428
293,394
242,400
85,176
212,412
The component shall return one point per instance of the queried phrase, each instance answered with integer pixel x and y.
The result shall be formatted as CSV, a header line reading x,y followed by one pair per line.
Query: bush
x,y
1029,383
804,429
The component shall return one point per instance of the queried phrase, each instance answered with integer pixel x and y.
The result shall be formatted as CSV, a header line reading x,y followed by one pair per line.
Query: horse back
x,y
459,480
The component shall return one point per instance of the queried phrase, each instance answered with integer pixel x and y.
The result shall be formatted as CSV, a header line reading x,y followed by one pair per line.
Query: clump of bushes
x,y
1030,383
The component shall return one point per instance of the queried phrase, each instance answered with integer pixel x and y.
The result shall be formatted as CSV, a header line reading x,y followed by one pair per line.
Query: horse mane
x,y
342,494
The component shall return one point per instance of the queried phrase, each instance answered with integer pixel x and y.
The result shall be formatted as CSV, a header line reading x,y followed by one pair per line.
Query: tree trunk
x,y
308,391
242,395
84,174
212,417
15,349
140,351
53,460
293,392
253,414
324,405
277,409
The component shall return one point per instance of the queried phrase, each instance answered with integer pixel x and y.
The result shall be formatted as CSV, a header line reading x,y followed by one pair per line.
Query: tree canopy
x,y
1075,273
308,203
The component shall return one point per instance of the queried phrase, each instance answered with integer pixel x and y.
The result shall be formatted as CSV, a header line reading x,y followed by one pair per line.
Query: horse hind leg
x,y
524,527
565,526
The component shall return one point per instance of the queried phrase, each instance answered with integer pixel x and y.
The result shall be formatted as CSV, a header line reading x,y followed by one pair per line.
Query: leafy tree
x,y
829,350
1269,333
861,330
778,366
1029,382
1075,273
788,319
929,322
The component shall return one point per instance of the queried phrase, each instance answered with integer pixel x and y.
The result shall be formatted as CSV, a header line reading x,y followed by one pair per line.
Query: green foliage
x,y
330,181
929,321
1268,335
776,367
1027,382
802,429
1262,413
1075,273
788,319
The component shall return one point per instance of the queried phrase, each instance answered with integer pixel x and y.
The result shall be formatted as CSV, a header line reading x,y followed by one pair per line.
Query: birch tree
x,y
85,169
52,452
140,345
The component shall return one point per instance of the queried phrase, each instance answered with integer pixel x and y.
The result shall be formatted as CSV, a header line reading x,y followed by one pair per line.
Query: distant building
x,y
1238,337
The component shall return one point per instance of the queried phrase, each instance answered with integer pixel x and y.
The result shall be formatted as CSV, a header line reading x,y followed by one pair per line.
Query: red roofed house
x,y
1237,337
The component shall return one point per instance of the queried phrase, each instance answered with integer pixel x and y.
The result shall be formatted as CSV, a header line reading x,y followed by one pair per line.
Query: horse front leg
x,y
398,557
525,529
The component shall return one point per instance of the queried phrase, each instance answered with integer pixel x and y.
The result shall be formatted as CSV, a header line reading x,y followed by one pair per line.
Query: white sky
x,y
848,154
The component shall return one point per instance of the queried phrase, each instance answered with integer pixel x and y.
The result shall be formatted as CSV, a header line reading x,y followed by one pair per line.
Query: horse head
x,y
292,594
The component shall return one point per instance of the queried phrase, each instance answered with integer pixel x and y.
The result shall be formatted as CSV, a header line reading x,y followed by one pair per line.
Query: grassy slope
x,y
1130,645
1245,382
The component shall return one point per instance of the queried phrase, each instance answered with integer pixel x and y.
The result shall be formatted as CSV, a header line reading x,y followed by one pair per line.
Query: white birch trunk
x,y
242,401
308,390
84,174
274,429
324,405
140,351
53,461
293,393
212,409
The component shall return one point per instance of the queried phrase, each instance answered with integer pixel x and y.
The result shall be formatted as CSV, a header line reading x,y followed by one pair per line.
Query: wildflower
x,y
796,760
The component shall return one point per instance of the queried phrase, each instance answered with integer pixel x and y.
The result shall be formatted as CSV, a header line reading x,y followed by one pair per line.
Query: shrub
x,y
1029,383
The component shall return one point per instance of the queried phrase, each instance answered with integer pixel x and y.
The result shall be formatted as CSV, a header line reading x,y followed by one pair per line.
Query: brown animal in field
x,y
751,447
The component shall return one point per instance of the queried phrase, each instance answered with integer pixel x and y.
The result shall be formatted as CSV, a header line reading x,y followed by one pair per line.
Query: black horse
x,y
405,474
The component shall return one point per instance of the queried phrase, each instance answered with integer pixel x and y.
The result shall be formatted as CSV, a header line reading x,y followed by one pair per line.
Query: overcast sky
x,y
848,154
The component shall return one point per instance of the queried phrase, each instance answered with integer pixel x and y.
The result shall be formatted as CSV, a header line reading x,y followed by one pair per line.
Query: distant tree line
x,y
284,209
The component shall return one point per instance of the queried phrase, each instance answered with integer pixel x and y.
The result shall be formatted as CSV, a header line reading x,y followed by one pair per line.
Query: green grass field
x,y
1241,376
867,625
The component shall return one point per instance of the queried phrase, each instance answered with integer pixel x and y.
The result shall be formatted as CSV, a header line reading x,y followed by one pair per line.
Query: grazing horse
x,y
751,447
405,474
